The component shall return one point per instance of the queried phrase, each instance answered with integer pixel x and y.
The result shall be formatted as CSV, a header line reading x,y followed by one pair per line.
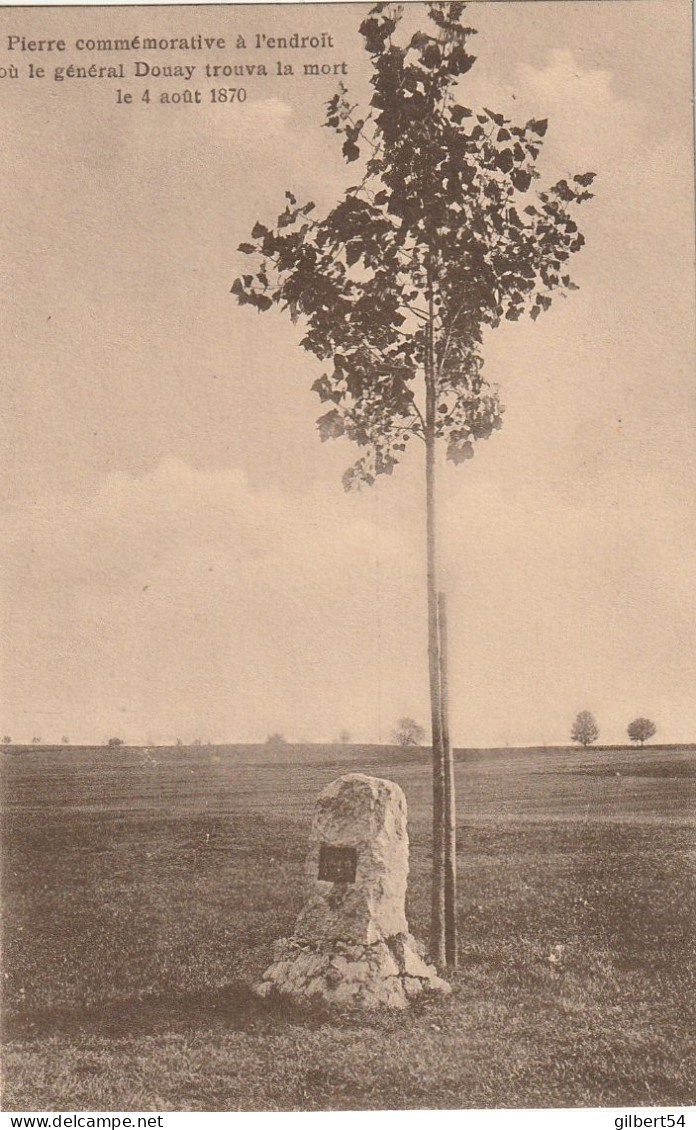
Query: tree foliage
x,y
641,730
408,733
585,729
446,232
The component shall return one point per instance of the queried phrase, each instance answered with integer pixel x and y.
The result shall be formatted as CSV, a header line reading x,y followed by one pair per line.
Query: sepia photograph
x,y
347,620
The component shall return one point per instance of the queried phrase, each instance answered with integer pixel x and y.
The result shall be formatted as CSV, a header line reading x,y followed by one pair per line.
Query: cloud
x,y
189,603
270,110
562,603
185,603
259,124
590,124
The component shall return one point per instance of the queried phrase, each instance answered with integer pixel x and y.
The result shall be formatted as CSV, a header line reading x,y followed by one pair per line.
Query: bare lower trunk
x,y
450,812
437,935
437,946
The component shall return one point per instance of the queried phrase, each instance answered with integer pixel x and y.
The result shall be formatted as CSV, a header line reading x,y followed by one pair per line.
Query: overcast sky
x,y
181,559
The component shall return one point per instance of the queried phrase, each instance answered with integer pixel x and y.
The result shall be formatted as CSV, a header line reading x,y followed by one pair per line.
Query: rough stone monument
x,y
351,944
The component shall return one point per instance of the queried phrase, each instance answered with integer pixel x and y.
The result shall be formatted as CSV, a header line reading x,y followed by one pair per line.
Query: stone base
x,y
384,974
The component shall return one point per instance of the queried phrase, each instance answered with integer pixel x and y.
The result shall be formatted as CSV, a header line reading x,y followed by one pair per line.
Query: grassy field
x,y
142,888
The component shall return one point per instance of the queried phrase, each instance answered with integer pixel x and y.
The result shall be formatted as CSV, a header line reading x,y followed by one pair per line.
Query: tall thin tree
x,y
444,234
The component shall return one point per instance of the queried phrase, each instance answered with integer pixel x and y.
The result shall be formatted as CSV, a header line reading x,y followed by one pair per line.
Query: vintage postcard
x,y
348,643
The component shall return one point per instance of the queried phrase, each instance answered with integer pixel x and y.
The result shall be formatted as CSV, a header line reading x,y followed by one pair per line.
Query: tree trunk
x,y
450,813
437,934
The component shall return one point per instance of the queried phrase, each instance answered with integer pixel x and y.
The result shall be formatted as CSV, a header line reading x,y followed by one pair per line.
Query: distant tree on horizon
x,y
408,733
35,741
276,740
113,743
345,737
7,740
585,729
641,730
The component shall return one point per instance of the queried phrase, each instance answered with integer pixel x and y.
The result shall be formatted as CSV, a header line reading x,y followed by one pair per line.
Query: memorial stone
x,y
351,944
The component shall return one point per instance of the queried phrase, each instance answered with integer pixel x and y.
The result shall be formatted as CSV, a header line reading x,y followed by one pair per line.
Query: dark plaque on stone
x,y
337,864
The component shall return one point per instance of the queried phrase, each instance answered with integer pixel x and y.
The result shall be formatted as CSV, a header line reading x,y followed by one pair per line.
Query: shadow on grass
x,y
234,1007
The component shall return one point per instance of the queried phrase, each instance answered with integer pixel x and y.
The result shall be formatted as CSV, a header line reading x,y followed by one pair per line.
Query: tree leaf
x,y
420,40
504,160
539,126
497,118
521,179
458,451
459,61
431,56
331,425
350,150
